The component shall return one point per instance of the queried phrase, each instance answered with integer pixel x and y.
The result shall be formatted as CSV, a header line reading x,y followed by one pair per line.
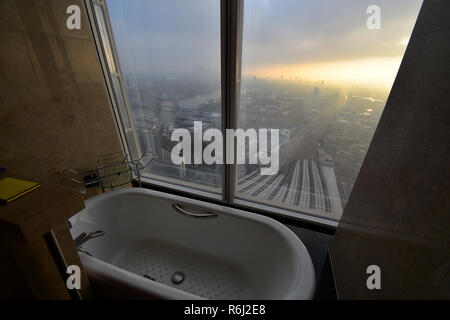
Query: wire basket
x,y
113,171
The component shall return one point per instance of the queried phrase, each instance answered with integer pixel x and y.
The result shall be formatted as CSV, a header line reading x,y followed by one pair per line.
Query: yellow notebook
x,y
11,189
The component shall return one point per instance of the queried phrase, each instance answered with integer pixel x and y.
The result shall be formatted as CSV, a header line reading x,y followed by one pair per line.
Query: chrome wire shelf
x,y
113,171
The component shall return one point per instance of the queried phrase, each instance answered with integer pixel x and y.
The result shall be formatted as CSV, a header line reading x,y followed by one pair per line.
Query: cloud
x,y
298,31
167,36
184,35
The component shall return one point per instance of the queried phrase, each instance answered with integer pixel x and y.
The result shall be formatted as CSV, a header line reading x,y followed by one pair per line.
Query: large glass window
x,y
169,53
319,72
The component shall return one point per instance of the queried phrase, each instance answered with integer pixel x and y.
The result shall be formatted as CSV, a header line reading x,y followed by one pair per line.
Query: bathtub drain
x,y
178,277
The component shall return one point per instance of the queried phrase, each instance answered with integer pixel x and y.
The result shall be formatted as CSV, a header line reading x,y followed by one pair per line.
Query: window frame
x,y
231,32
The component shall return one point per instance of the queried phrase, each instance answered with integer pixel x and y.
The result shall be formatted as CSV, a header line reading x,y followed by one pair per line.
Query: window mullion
x,y
231,33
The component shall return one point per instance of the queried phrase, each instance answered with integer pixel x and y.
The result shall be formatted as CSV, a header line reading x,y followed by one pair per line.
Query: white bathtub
x,y
236,255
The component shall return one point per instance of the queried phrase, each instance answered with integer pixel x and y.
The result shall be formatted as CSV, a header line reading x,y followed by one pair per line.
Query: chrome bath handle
x,y
207,215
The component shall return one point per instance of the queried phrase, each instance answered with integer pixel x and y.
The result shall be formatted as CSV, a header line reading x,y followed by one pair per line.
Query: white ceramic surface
x,y
238,255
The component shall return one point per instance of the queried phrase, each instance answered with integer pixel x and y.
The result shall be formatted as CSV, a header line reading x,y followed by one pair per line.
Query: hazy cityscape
x,y
330,129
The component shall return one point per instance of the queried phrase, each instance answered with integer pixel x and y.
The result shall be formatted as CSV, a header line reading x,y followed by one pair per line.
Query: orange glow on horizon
x,y
372,72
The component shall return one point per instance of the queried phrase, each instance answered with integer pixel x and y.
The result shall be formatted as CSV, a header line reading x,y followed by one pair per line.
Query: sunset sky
x,y
326,40
311,39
